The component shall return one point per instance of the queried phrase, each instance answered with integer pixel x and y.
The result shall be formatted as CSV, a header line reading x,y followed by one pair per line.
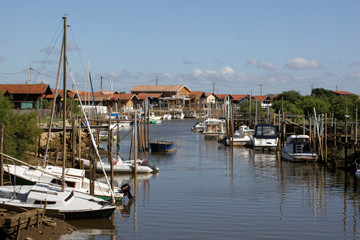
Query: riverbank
x,y
51,229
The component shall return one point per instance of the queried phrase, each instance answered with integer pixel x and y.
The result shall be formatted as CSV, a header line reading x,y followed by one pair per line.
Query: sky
x,y
226,46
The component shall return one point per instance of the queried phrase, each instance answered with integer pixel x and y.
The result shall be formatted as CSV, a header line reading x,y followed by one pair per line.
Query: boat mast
x,y
64,106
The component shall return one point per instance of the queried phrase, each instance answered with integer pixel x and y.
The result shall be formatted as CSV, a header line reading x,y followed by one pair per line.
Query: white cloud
x,y
269,66
226,70
354,75
266,66
302,63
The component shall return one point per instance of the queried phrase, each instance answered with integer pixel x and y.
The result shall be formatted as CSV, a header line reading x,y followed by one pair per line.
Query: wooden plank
x,y
25,215
12,208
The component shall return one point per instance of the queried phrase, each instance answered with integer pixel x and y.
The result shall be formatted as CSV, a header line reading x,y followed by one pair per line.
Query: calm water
x,y
208,191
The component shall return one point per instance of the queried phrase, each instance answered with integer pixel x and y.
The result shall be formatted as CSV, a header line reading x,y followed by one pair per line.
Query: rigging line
x,y
92,136
43,74
14,72
78,52
47,55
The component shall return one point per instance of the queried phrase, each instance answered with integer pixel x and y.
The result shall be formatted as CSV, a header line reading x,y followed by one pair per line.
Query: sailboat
x,y
68,203
63,200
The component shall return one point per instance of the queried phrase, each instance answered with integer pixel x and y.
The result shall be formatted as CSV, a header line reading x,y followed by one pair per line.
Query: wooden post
x,y
346,137
110,155
304,132
79,146
73,143
335,132
91,171
135,145
148,127
132,140
118,140
356,125
1,156
325,143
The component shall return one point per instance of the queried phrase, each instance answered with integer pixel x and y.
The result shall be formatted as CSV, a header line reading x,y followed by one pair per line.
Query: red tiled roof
x,y
343,92
196,94
143,96
123,96
25,88
238,97
158,88
222,96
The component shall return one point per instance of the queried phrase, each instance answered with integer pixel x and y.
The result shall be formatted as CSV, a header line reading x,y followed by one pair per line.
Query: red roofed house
x,y
239,98
266,100
125,101
26,96
175,95
343,93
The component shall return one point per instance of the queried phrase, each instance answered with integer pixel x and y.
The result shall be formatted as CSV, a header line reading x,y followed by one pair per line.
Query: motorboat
x,y
199,127
162,146
123,166
265,137
74,179
357,165
167,117
68,204
178,114
241,137
297,148
214,128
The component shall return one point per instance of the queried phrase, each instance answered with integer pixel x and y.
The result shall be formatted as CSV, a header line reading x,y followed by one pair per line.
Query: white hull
x,y
73,205
74,179
122,167
297,148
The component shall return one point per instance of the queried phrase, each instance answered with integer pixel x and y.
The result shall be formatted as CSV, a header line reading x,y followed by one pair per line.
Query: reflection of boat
x,y
214,128
74,179
265,137
121,166
297,148
70,204
357,164
103,135
162,146
241,137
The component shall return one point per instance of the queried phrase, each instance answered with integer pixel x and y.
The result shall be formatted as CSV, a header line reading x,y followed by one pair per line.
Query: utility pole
x,y
157,79
213,88
261,91
101,86
30,75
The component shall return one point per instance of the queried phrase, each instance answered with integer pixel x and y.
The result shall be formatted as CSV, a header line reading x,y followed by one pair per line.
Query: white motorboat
x,y
298,148
357,164
167,117
214,128
74,179
68,203
178,114
241,137
199,127
121,166
265,137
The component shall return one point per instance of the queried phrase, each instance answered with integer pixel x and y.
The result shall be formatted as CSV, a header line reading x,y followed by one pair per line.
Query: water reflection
x,y
207,190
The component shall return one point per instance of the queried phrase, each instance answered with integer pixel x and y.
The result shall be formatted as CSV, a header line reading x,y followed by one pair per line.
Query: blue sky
x,y
238,45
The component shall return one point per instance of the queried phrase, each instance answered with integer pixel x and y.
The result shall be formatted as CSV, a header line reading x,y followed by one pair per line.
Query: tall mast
x,y
64,107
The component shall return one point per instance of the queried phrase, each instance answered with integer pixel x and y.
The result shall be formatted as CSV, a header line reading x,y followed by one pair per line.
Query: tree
x,y
20,131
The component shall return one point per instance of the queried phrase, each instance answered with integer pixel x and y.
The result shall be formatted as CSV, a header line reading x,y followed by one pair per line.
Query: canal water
x,y
208,191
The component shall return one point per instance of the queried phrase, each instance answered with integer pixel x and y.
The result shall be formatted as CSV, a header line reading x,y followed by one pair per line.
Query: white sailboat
x,y
67,203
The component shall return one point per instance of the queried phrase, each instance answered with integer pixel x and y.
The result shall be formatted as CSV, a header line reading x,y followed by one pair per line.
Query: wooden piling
x,y
73,142
1,156
110,155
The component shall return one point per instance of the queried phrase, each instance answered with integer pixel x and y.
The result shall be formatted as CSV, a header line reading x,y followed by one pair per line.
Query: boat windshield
x,y
265,131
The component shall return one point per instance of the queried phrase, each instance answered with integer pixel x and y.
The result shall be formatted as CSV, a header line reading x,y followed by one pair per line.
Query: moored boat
x,y
241,137
67,203
162,146
297,148
265,137
123,166
357,165
74,179
214,128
